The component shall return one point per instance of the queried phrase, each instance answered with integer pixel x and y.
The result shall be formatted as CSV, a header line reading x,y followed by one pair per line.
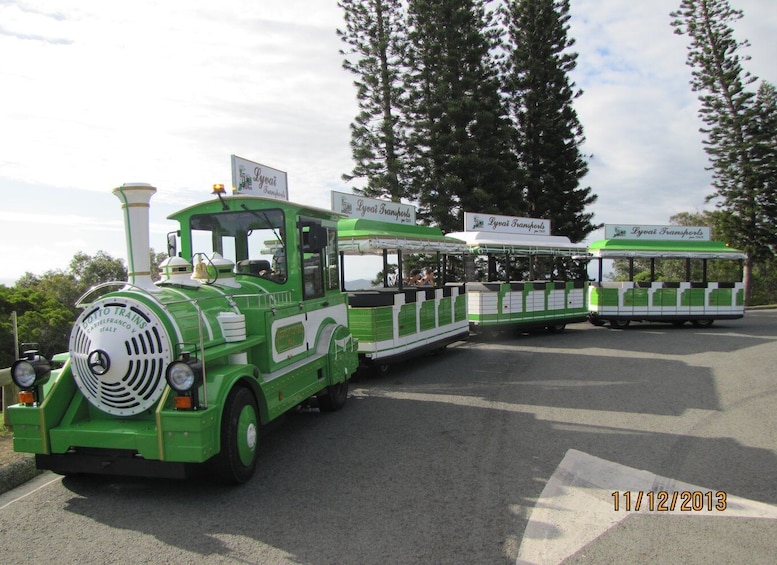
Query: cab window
x,y
314,243
253,239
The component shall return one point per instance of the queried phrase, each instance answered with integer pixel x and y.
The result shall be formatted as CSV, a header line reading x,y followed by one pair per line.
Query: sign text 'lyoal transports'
x,y
505,224
253,179
676,233
360,207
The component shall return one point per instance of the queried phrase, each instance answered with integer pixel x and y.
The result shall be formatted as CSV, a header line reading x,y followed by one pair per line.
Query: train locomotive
x,y
165,377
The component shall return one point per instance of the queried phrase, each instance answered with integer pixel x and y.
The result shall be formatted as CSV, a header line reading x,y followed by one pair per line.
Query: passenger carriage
x,y
398,320
690,298
503,303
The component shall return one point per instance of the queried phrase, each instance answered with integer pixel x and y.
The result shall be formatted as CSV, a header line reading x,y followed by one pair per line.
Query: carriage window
x,y
313,285
332,261
253,239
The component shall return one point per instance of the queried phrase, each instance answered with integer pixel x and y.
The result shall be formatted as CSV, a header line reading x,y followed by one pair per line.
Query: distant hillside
x,y
358,284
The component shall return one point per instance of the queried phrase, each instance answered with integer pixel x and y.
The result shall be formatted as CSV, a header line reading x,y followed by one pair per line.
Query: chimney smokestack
x,y
135,198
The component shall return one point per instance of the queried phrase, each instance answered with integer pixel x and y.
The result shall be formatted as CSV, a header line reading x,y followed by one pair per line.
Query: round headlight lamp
x,y
23,374
182,376
31,371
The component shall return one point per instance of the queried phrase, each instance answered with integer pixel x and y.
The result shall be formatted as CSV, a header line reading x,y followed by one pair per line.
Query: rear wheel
x,y
702,323
556,328
333,397
236,462
619,324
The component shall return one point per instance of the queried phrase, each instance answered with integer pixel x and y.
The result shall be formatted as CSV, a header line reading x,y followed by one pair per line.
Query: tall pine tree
x,y
548,132
374,31
739,127
459,147
762,165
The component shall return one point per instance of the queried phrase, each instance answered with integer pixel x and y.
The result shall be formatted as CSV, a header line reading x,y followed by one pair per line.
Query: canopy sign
x,y
253,179
505,224
657,233
360,207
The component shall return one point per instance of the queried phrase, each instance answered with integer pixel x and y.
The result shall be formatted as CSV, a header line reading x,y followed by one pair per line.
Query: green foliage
x,y
155,260
45,304
89,271
548,131
535,268
445,121
674,270
765,282
460,151
41,319
375,35
740,125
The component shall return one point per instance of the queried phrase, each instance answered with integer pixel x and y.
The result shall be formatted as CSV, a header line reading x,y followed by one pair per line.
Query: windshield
x,y
253,239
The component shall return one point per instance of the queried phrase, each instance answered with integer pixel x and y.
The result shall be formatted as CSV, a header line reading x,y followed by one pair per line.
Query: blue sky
x,y
96,94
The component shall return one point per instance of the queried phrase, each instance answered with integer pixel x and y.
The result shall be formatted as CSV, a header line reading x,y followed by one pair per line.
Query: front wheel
x,y
702,323
236,461
619,324
556,328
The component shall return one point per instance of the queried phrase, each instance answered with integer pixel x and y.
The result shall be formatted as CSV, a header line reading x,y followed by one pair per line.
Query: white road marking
x,y
576,506
26,489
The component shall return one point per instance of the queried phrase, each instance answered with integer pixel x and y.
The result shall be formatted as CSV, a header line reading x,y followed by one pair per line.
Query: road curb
x,y
17,473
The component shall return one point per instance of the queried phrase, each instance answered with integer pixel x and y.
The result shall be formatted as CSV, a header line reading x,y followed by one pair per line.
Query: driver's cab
x,y
278,245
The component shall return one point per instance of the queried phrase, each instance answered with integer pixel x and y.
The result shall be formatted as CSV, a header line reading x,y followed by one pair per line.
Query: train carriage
x,y
161,377
689,298
400,320
501,303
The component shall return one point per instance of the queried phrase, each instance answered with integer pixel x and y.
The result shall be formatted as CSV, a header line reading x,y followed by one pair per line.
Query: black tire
x,y
333,397
702,323
556,328
236,462
380,369
619,324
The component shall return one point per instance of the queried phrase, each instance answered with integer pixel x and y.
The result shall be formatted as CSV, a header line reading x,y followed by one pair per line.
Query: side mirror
x,y
313,237
172,244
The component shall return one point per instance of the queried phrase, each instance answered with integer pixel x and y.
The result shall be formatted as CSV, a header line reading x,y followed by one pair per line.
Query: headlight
x,y
183,376
27,373
23,374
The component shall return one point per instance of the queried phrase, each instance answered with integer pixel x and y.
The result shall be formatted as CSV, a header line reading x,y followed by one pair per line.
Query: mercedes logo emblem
x,y
99,362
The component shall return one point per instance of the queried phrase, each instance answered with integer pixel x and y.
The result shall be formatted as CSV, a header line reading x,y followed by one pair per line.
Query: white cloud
x,y
97,94
638,110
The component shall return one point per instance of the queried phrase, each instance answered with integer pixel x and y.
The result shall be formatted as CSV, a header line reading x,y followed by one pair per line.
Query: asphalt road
x,y
497,451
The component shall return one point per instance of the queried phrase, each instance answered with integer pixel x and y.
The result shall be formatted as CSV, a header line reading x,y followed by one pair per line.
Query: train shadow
x,y
756,328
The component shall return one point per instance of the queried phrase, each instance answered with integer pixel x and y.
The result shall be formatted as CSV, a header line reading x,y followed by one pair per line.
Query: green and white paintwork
x,y
700,302
523,304
391,323
516,304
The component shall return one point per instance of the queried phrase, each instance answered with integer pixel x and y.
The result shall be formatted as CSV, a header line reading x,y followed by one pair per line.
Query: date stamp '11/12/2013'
x,y
666,501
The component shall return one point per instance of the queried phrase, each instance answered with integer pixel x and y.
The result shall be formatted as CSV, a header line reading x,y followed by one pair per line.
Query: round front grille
x,y
119,351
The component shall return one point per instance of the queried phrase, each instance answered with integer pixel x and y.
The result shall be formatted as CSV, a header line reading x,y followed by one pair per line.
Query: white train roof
x,y
481,242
